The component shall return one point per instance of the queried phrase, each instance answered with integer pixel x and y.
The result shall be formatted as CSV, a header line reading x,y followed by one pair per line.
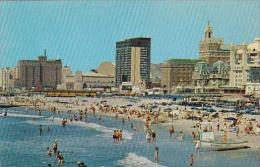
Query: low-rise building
x,y
90,80
177,72
253,89
213,76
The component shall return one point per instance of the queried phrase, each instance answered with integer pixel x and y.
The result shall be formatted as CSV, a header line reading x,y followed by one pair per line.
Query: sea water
x,y
91,142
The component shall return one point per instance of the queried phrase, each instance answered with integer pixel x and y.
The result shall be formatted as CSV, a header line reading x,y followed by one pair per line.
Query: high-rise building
x,y
245,64
177,72
133,61
41,73
213,49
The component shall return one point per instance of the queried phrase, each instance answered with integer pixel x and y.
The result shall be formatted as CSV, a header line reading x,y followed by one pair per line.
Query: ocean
x,y
21,144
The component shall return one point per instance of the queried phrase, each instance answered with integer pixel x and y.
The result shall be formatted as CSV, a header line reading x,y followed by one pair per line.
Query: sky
x,y
84,33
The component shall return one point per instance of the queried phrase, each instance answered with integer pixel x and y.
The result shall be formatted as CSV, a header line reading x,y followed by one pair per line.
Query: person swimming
x,y
81,164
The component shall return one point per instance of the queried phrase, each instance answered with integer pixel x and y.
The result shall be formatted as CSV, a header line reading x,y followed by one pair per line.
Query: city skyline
x,y
84,34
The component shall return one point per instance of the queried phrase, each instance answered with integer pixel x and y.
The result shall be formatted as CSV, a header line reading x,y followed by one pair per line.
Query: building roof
x,y
93,74
106,68
202,68
219,67
184,60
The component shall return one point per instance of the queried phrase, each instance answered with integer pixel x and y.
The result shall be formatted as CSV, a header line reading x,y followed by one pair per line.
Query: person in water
x,y
115,136
191,160
81,164
60,158
171,131
132,125
49,151
64,122
153,134
156,154
148,137
197,147
181,136
123,121
40,129
100,118
55,146
120,135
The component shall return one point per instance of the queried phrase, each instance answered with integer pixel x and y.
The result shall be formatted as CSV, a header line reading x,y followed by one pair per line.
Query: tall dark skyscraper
x,y
133,59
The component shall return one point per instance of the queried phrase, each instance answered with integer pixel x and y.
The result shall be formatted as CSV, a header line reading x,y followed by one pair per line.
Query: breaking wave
x,y
21,115
106,130
133,160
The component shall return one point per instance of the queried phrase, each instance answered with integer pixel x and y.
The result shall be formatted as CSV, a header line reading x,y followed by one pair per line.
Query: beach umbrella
x,y
167,110
231,119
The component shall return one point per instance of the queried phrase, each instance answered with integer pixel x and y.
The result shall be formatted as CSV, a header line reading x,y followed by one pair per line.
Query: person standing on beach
x,y
218,124
237,130
225,137
156,155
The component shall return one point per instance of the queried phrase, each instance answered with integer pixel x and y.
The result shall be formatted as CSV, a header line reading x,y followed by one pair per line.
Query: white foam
x,y
133,160
107,132
41,122
21,115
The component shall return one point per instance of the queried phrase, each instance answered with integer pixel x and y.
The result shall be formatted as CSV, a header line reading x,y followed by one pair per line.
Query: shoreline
x,y
181,124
